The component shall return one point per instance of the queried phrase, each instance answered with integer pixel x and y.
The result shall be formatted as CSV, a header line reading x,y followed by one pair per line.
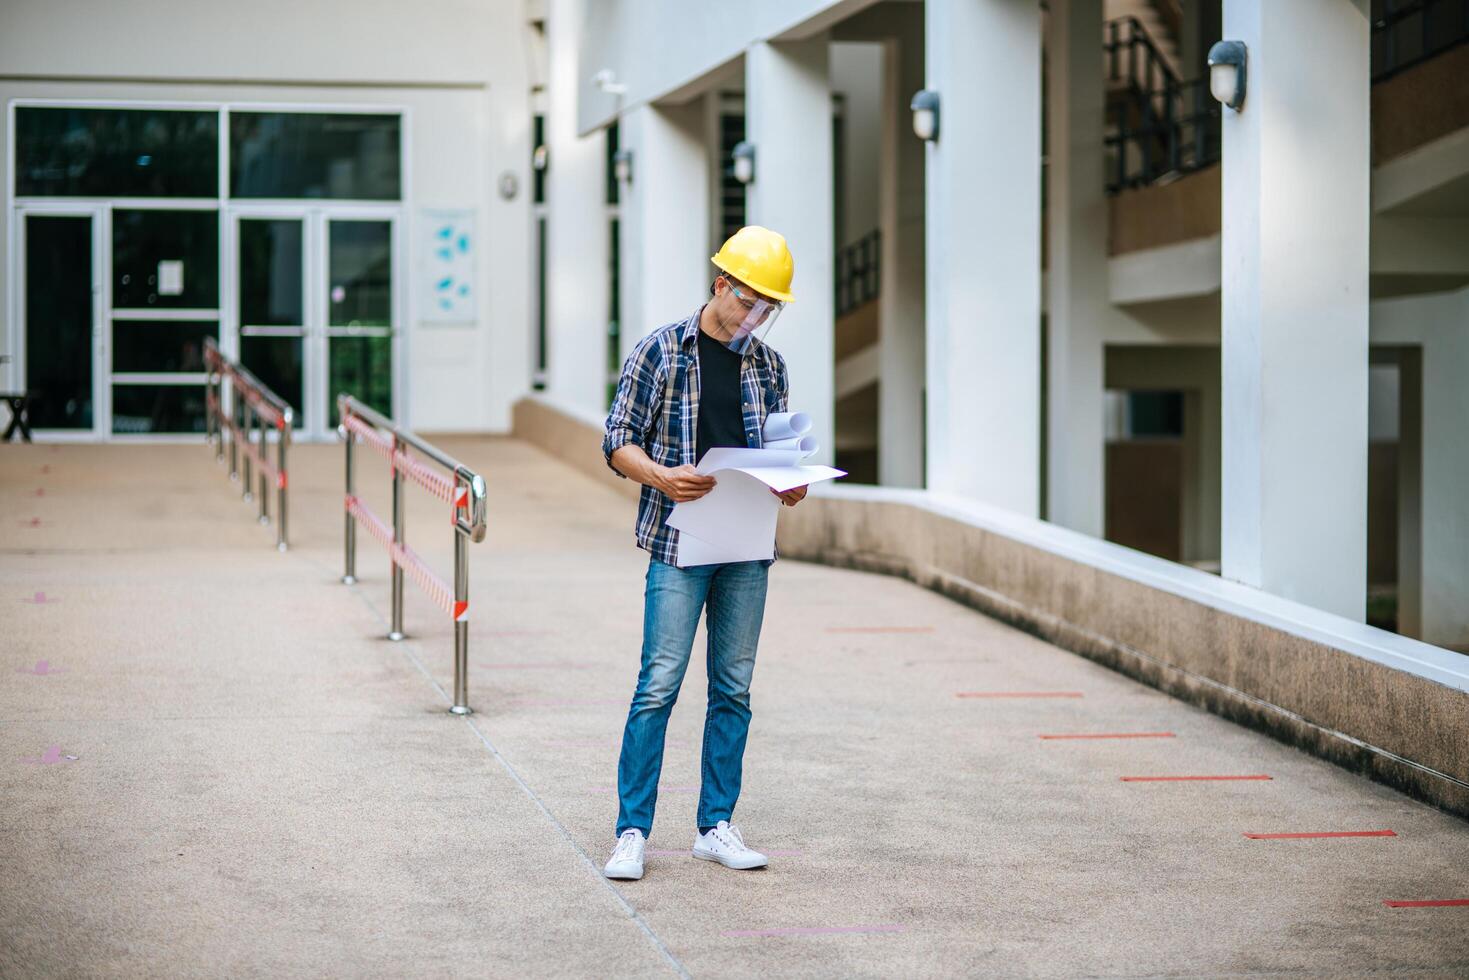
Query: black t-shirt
x,y
721,418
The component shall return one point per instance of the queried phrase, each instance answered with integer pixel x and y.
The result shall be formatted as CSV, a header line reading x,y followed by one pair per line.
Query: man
x,y
690,386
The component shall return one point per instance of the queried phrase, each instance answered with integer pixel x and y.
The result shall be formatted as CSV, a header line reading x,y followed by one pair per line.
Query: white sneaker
x,y
724,844
627,856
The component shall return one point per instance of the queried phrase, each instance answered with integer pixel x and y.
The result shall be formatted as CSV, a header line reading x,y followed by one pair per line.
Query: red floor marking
x,y
33,522
1182,779
1330,833
879,629
1115,735
1019,694
40,491
808,931
1436,903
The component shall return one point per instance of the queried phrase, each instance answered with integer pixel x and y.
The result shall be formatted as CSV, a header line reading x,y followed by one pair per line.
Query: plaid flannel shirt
x,y
659,411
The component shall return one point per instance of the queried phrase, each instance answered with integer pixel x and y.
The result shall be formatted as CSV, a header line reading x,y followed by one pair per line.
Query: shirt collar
x,y
689,334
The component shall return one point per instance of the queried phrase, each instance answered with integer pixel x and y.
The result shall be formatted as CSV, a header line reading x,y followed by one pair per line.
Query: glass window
x,y
165,259
361,367
160,345
270,273
360,269
609,165
158,408
327,155
62,151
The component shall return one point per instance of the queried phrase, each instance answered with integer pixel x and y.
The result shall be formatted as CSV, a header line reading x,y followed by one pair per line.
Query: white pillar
x,y
900,300
983,251
1077,268
577,253
1294,304
665,218
788,119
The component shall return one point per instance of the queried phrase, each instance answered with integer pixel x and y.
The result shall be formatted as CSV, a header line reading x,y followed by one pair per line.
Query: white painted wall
x,y
856,75
983,251
578,235
660,47
788,118
665,218
1294,313
458,70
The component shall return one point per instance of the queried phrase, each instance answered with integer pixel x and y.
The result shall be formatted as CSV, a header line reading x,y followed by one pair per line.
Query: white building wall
x,y
457,71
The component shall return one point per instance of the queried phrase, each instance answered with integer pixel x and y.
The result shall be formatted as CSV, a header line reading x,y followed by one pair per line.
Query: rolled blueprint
x,y
780,426
806,444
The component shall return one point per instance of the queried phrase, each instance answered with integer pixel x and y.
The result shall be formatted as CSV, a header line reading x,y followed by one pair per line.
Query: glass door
x,y
271,310
61,323
316,302
361,309
164,301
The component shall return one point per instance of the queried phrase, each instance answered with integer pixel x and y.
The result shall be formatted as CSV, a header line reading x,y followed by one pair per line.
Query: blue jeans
x,y
734,595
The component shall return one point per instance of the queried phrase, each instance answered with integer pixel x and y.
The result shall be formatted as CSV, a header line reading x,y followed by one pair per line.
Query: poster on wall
x,y
446,290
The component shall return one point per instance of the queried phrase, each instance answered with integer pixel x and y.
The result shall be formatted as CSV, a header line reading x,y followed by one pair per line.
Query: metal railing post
x,y
280,483
247,494
349,574
461,626
264,487
397,630
234,443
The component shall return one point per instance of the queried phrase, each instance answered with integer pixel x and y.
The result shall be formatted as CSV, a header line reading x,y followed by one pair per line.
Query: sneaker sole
x,y
622,877
704,856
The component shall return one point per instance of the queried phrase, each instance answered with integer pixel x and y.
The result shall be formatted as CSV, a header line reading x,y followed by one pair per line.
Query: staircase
x,y
1160,18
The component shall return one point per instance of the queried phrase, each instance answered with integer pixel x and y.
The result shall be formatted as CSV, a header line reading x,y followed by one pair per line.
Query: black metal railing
x,y
858,272
1408,32
1172,133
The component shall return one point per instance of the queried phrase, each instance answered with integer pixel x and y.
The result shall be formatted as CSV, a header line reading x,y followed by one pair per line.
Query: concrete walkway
x,y
211,764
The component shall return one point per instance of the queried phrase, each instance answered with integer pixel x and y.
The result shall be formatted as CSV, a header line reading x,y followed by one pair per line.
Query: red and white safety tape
x,y
405,557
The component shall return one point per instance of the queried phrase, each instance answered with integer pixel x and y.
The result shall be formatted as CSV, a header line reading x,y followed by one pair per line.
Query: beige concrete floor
x,y
263,786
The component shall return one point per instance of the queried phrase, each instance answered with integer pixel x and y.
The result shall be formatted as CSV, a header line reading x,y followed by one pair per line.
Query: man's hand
x,y
684,483
791,497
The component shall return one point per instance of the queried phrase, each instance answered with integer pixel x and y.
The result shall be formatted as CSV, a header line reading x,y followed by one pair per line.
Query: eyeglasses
x,y
748,304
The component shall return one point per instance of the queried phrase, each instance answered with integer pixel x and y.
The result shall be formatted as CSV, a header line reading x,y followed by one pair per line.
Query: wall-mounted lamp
x,y
744,162
606,80
622,166
925,108
1227,72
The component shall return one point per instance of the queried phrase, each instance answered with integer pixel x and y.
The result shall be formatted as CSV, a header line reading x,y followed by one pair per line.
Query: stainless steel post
x,y
461,629
397,631
247,494
264,517
234,443
349,576
280,483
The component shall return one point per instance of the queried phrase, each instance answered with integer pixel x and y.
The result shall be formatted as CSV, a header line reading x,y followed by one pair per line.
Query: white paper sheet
x,y
736,520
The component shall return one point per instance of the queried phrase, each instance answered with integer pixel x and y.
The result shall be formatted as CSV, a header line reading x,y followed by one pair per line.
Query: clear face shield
x,y
760,315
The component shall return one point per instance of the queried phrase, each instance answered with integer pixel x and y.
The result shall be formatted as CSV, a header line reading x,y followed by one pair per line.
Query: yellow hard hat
x,y
759,258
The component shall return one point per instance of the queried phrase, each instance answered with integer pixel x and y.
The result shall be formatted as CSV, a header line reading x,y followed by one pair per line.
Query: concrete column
x,y
665,218
983,251
577,254
1294,304
1077,268
788,119
900,302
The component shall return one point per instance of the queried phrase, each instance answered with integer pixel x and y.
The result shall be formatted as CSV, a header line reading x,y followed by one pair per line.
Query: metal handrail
x,y
464,492
247,397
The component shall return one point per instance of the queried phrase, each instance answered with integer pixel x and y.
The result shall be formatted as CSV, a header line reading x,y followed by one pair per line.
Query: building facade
x,y
1090,293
